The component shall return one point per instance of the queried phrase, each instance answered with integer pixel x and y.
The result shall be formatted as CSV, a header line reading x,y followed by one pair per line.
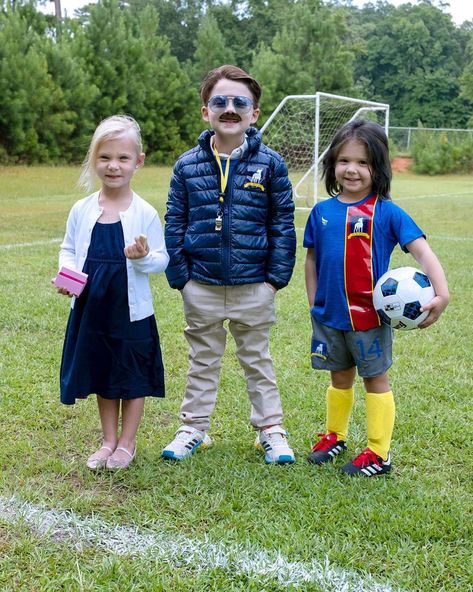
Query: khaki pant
x,y
250,311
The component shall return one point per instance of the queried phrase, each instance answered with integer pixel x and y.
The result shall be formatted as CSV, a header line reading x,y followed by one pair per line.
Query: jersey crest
x,y
359,281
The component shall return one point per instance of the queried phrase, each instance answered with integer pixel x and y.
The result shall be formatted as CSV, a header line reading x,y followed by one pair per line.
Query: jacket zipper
x,y
226,243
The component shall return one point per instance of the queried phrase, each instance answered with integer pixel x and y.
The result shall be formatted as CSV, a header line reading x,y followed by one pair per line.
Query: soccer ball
x,y
399,295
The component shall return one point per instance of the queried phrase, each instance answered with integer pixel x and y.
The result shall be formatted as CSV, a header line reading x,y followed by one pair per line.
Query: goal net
x,y
301,129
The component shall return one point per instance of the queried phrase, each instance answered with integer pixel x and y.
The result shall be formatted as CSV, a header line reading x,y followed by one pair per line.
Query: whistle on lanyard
x,y
218,221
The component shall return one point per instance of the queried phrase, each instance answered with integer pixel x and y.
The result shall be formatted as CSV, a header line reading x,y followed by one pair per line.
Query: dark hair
x,y
373,136
230,73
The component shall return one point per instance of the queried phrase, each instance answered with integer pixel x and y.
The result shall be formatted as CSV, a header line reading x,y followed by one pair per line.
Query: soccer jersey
x,y
353,245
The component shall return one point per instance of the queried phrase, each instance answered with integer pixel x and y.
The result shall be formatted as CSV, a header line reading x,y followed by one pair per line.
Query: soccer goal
x,y
301,129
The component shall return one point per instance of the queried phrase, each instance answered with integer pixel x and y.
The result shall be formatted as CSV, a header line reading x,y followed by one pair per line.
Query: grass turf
x,y
411,530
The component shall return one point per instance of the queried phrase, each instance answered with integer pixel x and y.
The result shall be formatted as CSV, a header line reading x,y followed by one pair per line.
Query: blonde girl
x,y
111,347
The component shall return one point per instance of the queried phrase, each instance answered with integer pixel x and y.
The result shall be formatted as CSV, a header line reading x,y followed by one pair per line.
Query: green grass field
x,y
223,520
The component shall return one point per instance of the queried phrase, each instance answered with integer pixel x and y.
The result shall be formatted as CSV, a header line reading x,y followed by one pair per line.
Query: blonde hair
x,y
110,128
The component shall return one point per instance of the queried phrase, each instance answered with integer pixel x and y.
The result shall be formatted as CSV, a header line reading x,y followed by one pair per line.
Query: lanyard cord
x,y
223,175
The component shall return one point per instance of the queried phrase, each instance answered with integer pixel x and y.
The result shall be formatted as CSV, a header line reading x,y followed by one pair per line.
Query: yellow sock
x,y
380,413
339,406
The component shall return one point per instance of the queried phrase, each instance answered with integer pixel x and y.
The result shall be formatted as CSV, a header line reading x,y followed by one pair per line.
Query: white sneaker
x,y
186,441
274,443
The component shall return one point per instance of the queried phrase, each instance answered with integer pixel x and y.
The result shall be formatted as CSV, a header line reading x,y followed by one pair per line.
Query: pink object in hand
x,y
71,280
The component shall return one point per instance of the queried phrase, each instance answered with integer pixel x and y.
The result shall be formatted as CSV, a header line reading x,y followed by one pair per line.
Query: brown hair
x,y
230,73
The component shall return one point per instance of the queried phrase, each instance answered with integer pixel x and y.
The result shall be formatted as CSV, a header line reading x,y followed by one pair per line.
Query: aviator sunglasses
x,y
219,104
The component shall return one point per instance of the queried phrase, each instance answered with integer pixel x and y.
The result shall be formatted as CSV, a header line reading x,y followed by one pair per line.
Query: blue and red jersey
x,y
353,245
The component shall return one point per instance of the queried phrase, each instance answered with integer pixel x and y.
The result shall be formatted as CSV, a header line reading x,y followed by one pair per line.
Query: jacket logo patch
x,y
256,178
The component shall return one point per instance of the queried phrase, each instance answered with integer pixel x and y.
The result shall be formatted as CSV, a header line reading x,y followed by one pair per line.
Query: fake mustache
x,y
230,117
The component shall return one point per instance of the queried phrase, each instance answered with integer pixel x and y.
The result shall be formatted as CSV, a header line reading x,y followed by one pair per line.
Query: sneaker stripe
x,y
192,444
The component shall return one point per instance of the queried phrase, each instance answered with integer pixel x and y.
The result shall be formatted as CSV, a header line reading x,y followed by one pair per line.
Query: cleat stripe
x,y
371,470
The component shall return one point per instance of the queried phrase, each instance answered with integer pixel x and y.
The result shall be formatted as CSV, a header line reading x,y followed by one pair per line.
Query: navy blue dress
x,y
104,352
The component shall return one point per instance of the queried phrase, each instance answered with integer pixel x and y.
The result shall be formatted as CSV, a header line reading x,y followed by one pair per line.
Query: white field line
x,y
40,243
451,238
432,195
298,228
66,527
435,236
409,198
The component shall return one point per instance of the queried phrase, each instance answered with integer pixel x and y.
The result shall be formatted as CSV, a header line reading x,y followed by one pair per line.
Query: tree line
x,y
59,78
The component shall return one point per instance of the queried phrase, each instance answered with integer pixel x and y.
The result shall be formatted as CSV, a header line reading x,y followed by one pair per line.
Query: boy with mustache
x,y
231,240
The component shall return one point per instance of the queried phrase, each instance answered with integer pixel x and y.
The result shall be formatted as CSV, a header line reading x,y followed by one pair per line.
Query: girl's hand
x,y
139,249
431,266
62,291
435,307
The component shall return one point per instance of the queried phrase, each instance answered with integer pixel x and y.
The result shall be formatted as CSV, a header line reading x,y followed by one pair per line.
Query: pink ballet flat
x,y
114,463
98,461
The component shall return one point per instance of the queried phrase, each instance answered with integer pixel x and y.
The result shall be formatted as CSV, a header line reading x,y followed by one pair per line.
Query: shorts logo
x,y
319,349
256,178
358,227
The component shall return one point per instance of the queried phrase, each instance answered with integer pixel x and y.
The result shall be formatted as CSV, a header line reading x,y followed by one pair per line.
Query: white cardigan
x,y
139,218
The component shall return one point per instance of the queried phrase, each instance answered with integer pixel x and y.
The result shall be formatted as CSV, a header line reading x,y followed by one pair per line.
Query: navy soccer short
x,y
370,351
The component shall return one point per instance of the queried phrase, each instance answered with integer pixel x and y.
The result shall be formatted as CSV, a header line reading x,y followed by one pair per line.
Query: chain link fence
x,y
401,138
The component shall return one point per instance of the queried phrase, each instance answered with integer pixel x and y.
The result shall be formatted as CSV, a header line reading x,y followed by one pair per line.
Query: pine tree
x,y
307,55
211,49
26,87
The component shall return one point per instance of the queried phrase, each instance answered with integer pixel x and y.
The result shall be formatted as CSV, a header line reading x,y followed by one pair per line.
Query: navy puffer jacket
x,y
257,242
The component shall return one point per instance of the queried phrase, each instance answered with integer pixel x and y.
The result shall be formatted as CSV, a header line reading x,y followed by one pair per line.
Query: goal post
x,y
302,127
